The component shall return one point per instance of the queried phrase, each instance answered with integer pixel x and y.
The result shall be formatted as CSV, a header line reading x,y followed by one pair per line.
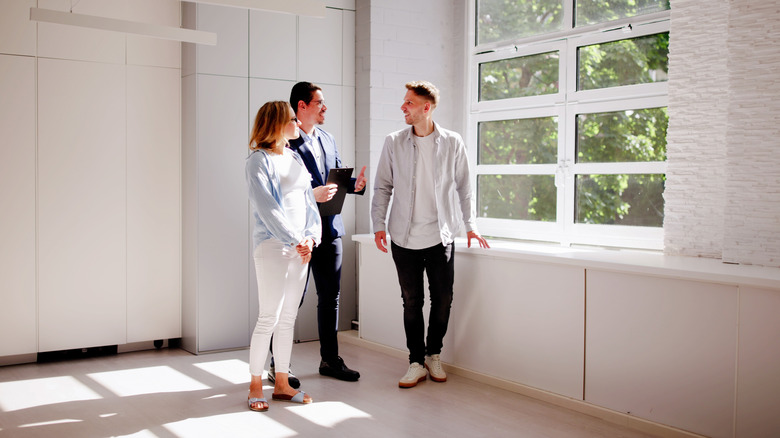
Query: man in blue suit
x,y
318,150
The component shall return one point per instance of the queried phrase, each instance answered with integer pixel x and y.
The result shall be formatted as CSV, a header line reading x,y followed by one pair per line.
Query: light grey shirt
x,y
395,176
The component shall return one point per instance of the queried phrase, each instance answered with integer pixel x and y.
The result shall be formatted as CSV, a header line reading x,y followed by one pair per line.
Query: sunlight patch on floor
x,y
146,433
152,380
328,414
232,370
237,424
25,394
49,423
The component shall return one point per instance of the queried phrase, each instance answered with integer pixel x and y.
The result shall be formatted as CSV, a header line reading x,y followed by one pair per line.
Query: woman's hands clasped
x,y
304,249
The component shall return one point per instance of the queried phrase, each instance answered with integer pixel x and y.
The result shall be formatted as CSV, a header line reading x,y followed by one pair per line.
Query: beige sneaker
x,y
433,364
414,375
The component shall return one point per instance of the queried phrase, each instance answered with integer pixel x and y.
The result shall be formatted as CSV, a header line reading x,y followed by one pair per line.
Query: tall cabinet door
x,y
81,204
215,207
17,198
153,203
223,213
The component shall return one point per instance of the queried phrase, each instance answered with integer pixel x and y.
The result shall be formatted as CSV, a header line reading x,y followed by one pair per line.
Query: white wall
x,y
752,225
694,195
397,42
90,252
722,191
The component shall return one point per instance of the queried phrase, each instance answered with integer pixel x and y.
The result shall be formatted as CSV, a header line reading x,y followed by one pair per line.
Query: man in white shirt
x,y
320,154
425,169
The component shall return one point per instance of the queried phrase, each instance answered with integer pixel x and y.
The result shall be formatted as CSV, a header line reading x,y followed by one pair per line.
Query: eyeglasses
x,y
318,102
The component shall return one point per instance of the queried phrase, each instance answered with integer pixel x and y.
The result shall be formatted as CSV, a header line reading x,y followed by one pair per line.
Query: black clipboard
x,y
342,177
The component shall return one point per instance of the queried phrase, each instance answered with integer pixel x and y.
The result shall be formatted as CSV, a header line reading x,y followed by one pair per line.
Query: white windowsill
x,y
621,260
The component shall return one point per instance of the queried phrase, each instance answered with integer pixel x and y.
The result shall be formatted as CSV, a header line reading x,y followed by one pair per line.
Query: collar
x,y
309,138
436,134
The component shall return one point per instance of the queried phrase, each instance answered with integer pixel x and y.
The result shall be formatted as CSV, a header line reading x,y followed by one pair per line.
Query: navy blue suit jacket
x,y
332,226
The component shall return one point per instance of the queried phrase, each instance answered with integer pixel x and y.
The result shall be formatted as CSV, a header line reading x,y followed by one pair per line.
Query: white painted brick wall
x,y
696,140
752,215
722,197
400,41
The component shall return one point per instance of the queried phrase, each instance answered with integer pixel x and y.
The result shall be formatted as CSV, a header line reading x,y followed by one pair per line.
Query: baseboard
x,y
639,424
18,359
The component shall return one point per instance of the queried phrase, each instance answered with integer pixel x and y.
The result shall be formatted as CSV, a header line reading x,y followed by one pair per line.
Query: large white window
x,y
568,114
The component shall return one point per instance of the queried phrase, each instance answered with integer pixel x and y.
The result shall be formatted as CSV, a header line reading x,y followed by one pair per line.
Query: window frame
x,y
566,104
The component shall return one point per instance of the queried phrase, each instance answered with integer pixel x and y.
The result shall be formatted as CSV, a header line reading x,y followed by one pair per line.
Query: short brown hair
x,y
270,122
426,90
302,91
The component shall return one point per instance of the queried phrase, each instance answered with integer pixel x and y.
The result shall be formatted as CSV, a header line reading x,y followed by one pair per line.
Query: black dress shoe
x,y
291,379
337,369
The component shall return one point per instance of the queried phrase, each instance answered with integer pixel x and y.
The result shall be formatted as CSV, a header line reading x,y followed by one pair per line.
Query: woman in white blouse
x,y
287,227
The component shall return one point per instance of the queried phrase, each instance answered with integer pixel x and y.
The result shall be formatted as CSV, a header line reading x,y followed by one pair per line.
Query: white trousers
x,y
280,281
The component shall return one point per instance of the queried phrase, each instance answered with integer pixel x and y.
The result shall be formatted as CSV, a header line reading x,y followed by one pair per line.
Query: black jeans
x,y
438,262
325,267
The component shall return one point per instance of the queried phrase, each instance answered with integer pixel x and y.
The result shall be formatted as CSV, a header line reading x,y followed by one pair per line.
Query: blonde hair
x,y
426,90
270,122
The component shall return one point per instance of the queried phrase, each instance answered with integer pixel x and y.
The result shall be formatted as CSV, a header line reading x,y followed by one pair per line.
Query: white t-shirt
x,y
424,230
293,179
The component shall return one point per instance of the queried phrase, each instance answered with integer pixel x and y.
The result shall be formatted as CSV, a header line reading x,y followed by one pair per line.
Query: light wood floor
x,y
170,393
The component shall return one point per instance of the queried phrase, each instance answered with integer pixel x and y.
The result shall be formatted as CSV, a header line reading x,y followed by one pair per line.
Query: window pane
x,y
627,62
622,136
599,11
523,197
620,200
519,141
519,77
500,20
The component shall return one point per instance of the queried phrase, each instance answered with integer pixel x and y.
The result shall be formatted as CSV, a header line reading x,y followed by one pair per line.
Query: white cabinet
x,y
522,322
758,384
17,31
320,48
18,328
90,121
272,44
153,203
662,349
79,43
638,338
230,57
259,56
216,219
215,216
81,204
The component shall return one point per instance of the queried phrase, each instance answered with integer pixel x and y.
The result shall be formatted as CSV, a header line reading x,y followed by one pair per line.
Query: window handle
x,y
563,171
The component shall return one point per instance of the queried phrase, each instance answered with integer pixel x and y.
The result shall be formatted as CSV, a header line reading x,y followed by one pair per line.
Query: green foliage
x,y
520,141
626,62
520,197
620,200
600,11
519,77
502,20
622,136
